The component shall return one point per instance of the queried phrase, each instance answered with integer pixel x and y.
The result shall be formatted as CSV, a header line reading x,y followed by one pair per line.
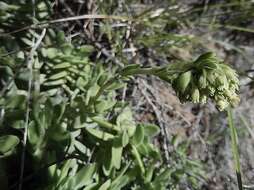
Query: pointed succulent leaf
x,y
8,143
84,176
116,153
151,130
125,138
138,136
100,134
105,185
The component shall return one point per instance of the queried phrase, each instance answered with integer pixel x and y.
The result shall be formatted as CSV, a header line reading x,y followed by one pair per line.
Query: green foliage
x,y
68,122
8,144
71,138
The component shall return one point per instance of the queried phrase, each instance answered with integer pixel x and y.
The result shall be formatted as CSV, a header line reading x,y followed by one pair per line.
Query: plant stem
x,y
234,145
27,117
141,71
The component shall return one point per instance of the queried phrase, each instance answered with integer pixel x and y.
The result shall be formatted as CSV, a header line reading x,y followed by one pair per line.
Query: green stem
x,y
140,71
234,146
161,72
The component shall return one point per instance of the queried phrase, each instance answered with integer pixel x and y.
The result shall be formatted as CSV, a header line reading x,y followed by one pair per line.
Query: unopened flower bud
x,y
202,82
211,91
222,104
195,95
183,81
203,99
235,100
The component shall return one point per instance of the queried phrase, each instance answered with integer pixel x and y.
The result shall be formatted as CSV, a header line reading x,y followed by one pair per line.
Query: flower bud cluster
x,y
207,77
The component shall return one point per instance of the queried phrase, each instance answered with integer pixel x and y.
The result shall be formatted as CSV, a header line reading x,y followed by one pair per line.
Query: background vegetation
x,y
70,118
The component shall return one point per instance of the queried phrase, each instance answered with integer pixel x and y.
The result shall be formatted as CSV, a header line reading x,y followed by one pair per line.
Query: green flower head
x,y
206,77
